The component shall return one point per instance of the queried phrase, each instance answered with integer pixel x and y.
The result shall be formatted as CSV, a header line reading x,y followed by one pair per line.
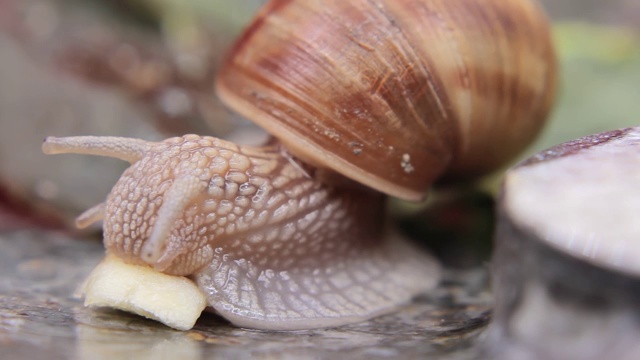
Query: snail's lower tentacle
x,y
90,216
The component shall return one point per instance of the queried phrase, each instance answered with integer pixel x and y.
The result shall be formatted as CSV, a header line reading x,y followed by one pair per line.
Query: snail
x,y
364,99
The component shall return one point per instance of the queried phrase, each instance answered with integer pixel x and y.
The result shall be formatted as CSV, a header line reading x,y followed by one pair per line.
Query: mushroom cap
x,y
581,199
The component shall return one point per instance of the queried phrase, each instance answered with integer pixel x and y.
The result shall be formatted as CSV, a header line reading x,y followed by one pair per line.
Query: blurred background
x,y
144,68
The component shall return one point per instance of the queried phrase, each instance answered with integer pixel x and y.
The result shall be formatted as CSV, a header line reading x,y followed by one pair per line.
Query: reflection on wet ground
x,y
39,317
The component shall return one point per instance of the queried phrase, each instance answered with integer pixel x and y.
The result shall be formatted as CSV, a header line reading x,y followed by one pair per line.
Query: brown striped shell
x,y
396,93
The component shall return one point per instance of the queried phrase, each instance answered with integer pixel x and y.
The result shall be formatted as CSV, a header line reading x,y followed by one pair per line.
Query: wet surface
x,y
40,318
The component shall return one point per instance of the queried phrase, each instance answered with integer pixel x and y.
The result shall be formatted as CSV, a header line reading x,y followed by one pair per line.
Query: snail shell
x,y
392,94
395,94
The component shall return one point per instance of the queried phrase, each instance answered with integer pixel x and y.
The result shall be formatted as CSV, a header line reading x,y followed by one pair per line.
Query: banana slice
x,y
172,300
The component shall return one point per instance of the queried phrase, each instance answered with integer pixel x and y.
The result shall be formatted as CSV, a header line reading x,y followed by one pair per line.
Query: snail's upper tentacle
x,y
126,149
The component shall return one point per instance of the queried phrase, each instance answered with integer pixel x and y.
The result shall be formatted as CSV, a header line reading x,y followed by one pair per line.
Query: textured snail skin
x,y
396,93
270,244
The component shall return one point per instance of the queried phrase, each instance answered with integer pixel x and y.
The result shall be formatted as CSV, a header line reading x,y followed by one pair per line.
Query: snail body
x,y
366,99
270,245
